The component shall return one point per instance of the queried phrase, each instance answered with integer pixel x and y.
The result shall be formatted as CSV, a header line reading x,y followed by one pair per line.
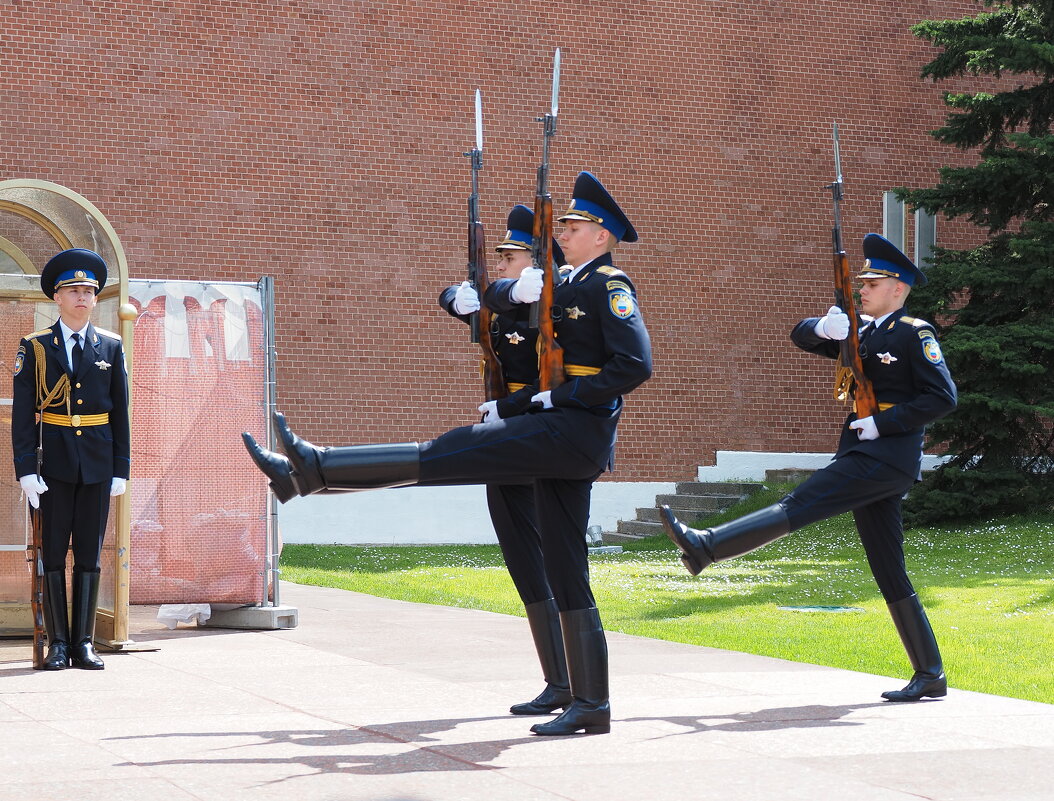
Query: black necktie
x,y
78,351
863,336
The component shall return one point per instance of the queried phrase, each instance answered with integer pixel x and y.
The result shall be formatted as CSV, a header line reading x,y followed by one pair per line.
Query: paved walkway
x,y
390,701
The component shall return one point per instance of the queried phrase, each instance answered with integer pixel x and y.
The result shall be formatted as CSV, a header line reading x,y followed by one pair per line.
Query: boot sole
x,y
597,729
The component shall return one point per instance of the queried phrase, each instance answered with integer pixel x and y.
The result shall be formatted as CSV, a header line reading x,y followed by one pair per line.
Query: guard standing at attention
x,y
71,398
512,505
562,447
878,460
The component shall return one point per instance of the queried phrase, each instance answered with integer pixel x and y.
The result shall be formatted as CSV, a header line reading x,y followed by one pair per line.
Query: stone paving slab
x,y
389,701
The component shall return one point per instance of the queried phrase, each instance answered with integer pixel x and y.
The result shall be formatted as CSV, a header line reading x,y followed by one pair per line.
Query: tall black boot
x,y
85,601
914,629
544,619
701,549
56,621
273,465
587,669
307,470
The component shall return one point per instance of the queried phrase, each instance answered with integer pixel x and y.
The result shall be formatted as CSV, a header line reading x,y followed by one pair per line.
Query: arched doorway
x,y
37,220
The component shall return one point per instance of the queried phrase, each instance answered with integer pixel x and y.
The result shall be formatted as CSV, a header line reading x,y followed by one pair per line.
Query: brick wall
x,y
321,142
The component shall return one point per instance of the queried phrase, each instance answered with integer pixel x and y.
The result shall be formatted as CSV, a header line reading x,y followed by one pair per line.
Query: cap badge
x,y
80,274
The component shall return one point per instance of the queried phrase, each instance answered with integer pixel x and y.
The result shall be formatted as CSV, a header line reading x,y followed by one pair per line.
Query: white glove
x,y
489,410
118,486
544,398
33,487
833,325
865,428
528,288
466,300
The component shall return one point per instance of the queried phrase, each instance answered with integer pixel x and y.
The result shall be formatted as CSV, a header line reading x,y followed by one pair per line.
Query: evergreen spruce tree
x,y
995,303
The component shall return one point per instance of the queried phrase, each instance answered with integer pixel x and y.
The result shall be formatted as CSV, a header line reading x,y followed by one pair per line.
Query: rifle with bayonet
x,y
550,354
849,377
479,322
35,556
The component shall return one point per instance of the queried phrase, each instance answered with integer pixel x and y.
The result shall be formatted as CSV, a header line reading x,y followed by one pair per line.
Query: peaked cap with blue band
x,y
591,201
520,235
73,267
883,259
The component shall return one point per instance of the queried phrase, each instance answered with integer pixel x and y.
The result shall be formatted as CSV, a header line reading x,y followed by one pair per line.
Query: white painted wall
x,y
435,515
751,465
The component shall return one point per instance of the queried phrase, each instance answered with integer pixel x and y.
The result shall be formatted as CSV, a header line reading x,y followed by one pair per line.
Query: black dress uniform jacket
x,y
905,365
86,454
515,344
607,351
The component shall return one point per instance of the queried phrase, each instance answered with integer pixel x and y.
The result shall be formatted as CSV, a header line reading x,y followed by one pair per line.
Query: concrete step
x,y
693,500
699,503
638,527
653,515
740,489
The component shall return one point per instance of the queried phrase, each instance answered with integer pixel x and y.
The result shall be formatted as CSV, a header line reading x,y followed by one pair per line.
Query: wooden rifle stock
x,y
851,378
35,556
550,353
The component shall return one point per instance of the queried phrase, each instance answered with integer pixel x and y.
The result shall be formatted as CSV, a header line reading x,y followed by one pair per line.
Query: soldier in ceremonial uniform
x,y
878,460
512,505
563,446
71,397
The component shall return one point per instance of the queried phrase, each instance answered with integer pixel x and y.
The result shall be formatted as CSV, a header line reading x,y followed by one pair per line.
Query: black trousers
x,y
74,512
516,525
560,452
872,491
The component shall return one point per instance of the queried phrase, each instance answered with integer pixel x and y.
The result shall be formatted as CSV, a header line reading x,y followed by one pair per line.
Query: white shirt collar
x,y
67,332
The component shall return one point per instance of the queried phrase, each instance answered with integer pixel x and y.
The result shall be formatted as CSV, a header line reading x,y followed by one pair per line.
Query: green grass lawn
x,y
987,590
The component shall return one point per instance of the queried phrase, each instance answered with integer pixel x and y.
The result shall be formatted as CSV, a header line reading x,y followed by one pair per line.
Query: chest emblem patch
x,y
932,351
515,338
887,358
621,304
574,313
102,365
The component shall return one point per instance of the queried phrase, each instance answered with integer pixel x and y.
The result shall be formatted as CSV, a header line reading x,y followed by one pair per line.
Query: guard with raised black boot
x,y
560,446
587,667
85,603
700,549
879,456
70,436
510,361
544,620
915,632
56,621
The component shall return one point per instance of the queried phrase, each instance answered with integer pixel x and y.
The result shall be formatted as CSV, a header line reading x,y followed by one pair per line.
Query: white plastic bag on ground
x,y
173,614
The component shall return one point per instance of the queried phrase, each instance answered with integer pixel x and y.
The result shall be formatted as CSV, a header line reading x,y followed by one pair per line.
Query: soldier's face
x,y
75,302
880,296
582,241
511,263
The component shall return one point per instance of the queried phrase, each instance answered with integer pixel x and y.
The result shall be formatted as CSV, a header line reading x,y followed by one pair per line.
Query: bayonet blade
x,y
555,105
479,122
837,157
